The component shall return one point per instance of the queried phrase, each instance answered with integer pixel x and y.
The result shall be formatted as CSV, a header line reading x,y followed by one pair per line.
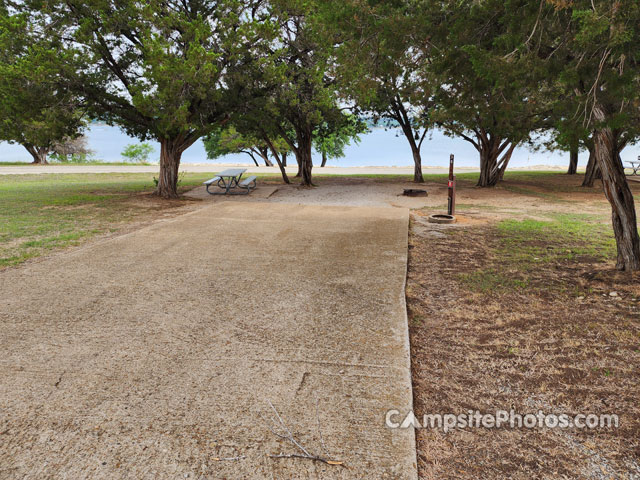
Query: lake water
x,y
378,148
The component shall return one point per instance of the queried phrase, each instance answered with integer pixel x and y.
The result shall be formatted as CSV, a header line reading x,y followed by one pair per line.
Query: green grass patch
x,y
526,247
562,237
39,213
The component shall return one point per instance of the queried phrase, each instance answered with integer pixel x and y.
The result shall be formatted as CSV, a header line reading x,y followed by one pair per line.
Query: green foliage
x,y
332,139
137,152
488,81
36,110
228,140
168,71
302,92
596,63
378,61
178,66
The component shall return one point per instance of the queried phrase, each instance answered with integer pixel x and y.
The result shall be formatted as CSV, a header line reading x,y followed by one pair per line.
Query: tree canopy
x,y
37,110
303,94
169,71
378,64
489,83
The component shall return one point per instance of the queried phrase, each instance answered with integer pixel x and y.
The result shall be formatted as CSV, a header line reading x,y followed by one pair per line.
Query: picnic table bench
x,y
632,165
230,182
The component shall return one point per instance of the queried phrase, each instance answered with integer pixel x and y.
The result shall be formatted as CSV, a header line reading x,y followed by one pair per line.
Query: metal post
x,y
452,189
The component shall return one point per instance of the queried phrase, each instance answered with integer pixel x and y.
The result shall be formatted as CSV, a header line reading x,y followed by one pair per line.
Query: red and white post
x,y
452,189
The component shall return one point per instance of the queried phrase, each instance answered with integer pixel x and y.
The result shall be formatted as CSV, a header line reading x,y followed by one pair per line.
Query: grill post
x,y
451,210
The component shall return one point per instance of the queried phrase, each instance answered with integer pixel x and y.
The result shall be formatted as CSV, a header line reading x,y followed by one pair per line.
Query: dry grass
x,y
511,308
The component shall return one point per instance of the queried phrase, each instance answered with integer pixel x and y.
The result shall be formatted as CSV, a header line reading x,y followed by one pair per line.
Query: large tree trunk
x,y
324,159
39,154
492,165
303,155
283,155
617,191
573,159
417,166
170,154
593,169
415,151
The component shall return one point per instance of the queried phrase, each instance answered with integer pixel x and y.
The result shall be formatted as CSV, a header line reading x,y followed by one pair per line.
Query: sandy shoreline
x,y
208,167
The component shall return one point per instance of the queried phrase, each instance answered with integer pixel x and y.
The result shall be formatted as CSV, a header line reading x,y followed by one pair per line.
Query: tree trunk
x,y
492,166
573,159
405,124
324,158
486,163
593,170
39,154
617,191
505,162
281,163
170,154
401,116
264,153
250,153
303,155
417,166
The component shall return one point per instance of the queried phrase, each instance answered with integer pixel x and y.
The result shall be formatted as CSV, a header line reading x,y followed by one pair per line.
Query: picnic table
x,y
633,165
229,182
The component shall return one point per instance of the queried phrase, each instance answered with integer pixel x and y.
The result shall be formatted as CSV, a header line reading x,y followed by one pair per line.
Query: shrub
x,y
137,153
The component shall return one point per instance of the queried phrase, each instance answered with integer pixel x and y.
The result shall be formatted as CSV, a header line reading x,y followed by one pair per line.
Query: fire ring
x,y
442,218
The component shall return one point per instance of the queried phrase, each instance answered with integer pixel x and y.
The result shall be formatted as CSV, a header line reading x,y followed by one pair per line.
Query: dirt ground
x,y
503,319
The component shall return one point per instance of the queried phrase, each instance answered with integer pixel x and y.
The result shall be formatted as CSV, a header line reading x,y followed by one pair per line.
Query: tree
x,y
164,70
137,152
303,93
573,159
36,110
489,84
227,140
597,44
332,139
378,61
74,149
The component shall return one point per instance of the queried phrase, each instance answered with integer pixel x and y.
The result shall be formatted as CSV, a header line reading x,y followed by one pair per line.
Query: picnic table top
x,y
232,172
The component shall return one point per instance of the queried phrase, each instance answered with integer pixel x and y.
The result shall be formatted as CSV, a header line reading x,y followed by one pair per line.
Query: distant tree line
x,y
277,78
